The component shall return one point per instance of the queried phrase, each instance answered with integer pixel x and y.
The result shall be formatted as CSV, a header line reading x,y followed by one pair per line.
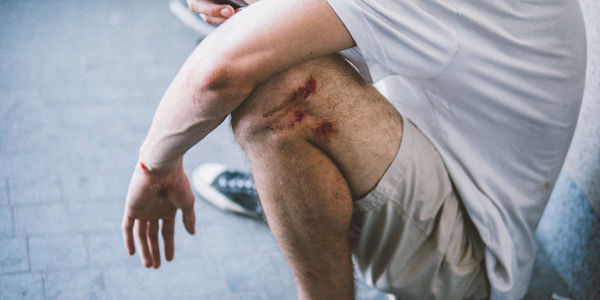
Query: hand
x,y
213,12
155,195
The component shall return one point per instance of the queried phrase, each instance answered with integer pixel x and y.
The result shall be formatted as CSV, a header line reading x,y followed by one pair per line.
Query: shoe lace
x,y
241,188
236,182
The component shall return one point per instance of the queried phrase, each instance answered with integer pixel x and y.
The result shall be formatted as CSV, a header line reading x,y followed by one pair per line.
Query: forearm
x,y
199,98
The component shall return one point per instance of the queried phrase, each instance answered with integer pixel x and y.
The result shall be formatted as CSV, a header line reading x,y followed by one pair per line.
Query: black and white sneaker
x,y
229,190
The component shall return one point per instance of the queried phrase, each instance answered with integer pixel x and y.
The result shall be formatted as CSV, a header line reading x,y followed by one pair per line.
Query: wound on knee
x,y
304,91
296,116
293,110
324,129
293,118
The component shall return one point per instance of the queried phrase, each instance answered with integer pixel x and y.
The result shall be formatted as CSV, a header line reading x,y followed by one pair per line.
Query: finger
x,y
226,11
140,236
189,219
153,243
127,226
213,20
211,9
168,234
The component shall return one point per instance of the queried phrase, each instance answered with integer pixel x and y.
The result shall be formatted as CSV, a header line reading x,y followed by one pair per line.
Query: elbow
x,y
217,89
214,77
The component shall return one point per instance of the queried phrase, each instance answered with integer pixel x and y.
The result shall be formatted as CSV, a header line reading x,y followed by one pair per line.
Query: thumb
x,y
227,11
189,219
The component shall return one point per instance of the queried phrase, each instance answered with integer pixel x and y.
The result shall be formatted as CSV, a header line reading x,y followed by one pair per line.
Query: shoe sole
x,y
202,177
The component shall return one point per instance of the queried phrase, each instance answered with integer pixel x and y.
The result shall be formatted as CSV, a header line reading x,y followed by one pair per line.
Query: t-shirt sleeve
x,y
414,38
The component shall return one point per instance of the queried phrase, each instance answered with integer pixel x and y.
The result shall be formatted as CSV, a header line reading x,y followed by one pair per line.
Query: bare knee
x,y
270,114
292,104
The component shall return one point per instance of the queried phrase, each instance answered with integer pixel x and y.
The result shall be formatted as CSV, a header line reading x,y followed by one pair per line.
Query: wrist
x,y
153,160
158,169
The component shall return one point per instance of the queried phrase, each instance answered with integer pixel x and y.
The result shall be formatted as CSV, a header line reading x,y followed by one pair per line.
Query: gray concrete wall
x,y
569,236
569,232
583,160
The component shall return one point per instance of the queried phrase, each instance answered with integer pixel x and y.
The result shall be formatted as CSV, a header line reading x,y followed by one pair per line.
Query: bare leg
x,y
317,136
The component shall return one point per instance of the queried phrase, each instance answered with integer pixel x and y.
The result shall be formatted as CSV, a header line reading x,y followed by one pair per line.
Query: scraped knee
x,y
303,102
278,107
276,118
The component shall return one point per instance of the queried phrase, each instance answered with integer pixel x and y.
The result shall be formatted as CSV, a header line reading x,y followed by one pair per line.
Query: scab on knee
x,y
323,129
293,111
295,106
299,112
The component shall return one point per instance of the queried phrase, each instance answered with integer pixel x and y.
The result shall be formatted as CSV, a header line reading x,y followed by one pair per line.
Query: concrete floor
x,y
79,82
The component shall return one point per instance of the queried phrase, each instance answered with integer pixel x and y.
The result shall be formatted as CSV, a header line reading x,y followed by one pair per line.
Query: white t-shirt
x,y
496,86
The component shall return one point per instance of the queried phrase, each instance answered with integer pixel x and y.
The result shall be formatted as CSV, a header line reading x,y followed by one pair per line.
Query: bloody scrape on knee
x,y
293,110
304,91
323,129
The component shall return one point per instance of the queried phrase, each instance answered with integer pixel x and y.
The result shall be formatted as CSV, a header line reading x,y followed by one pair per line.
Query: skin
x,y
249,65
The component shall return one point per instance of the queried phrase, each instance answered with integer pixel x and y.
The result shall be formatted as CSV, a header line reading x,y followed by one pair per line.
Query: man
x,y
438,201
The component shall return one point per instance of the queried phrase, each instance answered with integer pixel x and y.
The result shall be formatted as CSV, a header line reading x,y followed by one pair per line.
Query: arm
x,y
257,43
263,40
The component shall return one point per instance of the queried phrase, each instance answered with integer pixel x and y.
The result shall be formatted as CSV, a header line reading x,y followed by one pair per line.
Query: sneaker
x,y
232,191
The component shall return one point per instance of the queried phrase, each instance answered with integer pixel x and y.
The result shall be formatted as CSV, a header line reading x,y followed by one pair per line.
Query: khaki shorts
x,y
411,236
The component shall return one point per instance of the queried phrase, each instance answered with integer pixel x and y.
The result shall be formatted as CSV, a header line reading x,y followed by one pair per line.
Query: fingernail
x,y
226,12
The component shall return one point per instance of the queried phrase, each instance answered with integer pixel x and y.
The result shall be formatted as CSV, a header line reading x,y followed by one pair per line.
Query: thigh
x,y
327,103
